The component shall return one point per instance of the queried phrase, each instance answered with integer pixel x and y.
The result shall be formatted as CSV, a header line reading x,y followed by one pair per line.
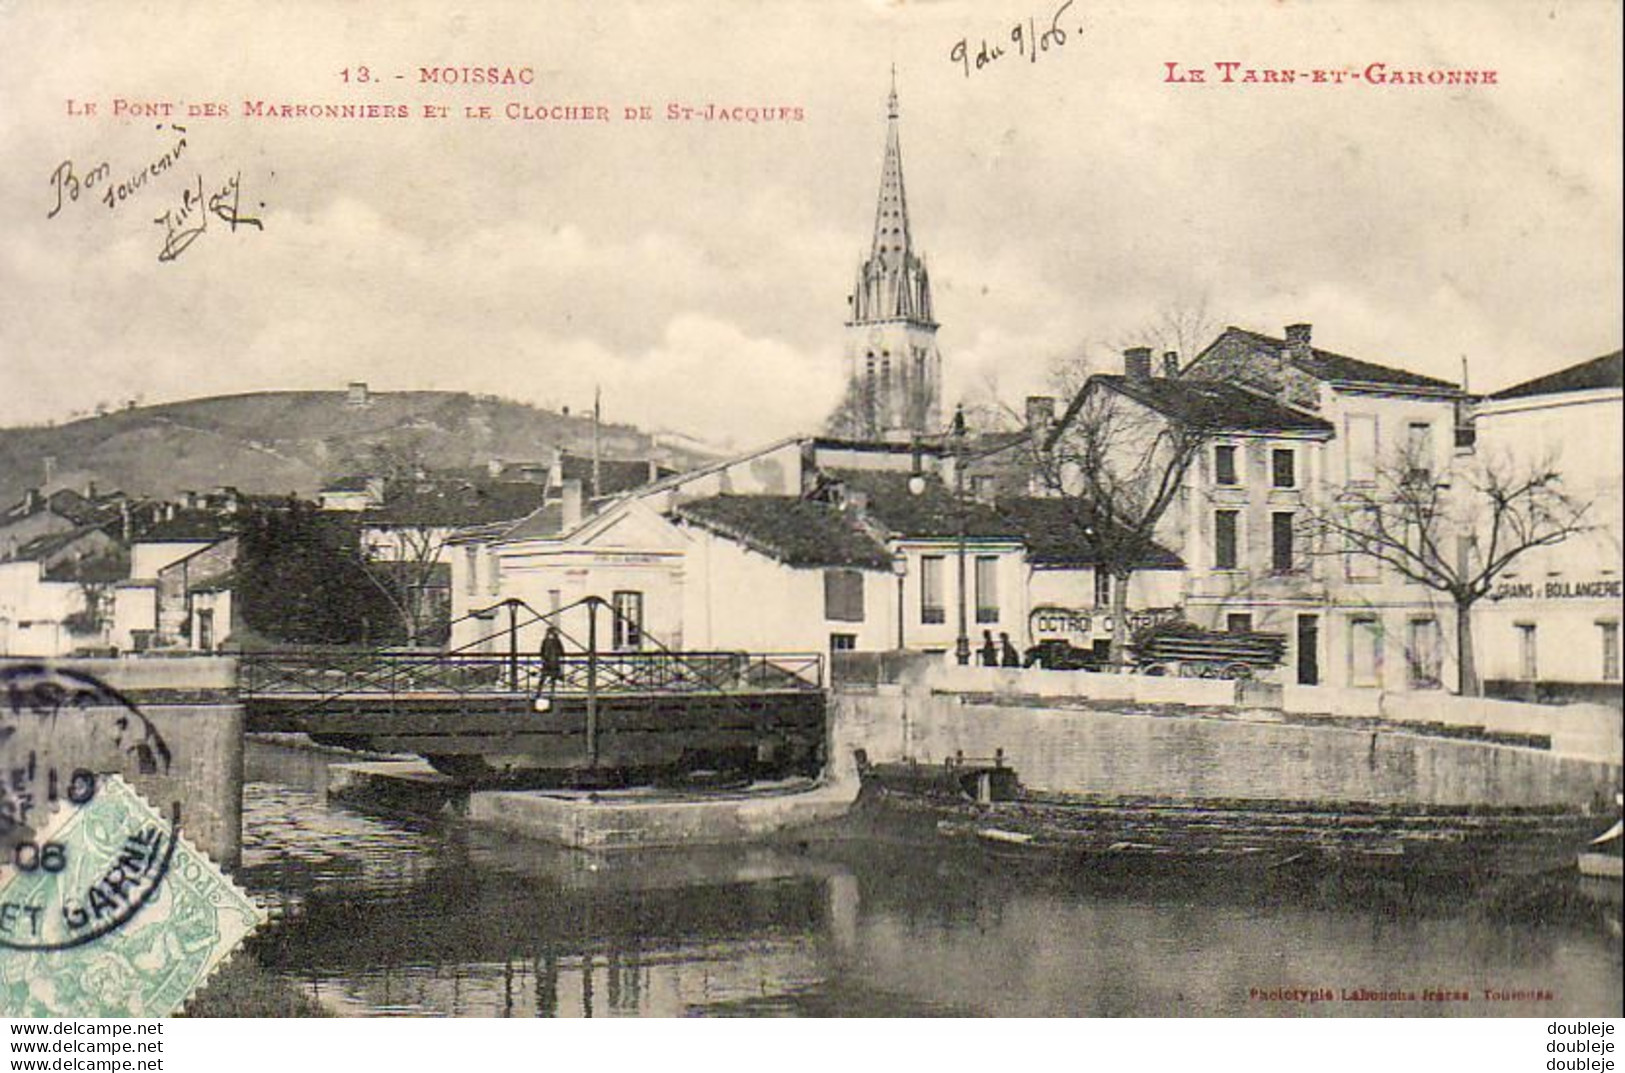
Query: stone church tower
x,y
894,370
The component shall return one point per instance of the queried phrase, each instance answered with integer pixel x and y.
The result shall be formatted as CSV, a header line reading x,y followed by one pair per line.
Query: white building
x,y
1552,624
807,545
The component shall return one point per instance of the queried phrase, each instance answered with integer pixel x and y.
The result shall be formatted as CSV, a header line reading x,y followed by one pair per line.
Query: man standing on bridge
x,y
551,657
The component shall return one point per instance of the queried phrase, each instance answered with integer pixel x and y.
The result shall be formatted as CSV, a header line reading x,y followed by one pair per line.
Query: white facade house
x,y
807,545
1285,428
1552,624
56,593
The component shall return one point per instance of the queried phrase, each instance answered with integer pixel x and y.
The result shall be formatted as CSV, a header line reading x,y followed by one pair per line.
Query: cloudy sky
x,y
697,271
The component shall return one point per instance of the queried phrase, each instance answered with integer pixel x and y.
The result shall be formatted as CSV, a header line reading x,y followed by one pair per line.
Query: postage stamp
x,y
109,912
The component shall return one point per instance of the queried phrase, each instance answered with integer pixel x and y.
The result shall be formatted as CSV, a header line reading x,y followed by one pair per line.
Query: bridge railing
x,y
371,672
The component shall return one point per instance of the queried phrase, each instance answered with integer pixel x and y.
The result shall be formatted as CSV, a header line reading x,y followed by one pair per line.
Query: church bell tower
x,y
894,370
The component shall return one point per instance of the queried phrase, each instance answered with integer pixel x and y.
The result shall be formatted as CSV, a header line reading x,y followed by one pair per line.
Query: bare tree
x,y
407,565
1118,464
1455,533
410,573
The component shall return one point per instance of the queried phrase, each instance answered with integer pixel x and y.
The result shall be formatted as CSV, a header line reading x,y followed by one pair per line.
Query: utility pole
x,y
962,642
597,417
592,681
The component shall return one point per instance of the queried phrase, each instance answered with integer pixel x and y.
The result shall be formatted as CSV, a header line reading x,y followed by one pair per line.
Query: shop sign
x,y
1082,627
1597,589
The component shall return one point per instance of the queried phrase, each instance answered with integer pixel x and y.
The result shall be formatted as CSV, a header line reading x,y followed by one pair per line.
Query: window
x,y
628,617
1225,523
1284,467
1423,650
1238,622
1528,652
932,606
1103,588
1610,650
1224,465
987,588
1281,525
1419,450
1360,566
843,595
1365,652
843,642
471,560
1362,447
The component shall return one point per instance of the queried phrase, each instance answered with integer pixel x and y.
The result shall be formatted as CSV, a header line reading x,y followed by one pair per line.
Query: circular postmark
x,y
81,853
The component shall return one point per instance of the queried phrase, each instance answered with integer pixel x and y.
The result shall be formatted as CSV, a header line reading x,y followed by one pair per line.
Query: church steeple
x,y
893,365
892,283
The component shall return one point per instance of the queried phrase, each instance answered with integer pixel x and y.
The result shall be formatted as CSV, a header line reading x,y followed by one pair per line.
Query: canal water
x,y
378,913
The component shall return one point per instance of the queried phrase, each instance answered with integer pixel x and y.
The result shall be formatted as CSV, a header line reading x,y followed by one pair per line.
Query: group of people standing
x,y
1000,653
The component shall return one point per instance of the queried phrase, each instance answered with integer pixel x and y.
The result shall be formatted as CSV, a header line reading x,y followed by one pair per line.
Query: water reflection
x,y
377,914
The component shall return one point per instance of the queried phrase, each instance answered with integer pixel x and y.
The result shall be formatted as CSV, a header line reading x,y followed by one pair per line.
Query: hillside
x,y
294,441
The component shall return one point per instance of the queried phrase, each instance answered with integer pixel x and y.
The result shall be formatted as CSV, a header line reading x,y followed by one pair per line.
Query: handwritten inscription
x,y
67,183
183,224
1028,40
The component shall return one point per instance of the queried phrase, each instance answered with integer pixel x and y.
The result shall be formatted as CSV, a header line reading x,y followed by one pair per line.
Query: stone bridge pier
x,y
109,717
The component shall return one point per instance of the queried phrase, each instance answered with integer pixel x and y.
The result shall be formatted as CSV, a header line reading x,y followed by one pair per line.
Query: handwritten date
x,y
1028,39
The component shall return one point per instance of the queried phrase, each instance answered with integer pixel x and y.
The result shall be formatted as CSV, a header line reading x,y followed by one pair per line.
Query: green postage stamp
x,y
107,911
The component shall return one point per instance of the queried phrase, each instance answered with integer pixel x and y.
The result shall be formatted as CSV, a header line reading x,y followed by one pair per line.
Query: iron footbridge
x,y
489,710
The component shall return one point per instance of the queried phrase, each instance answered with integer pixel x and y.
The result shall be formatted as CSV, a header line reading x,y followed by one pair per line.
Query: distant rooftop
x,y
1209,404
1602,372
1326,365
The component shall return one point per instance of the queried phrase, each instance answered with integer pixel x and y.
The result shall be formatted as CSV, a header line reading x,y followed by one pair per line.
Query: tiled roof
x,y
352,482
1208,404
42,548
454,503
1587,376
799,532
1329,366
1054,536
617,475
189,526
548,521
933,514
65,503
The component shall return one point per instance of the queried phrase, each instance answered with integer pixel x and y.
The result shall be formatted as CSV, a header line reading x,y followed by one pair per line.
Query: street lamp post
x,y
899,568
961,642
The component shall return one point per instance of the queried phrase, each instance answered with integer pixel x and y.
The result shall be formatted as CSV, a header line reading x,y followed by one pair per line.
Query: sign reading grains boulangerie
x,y
987,508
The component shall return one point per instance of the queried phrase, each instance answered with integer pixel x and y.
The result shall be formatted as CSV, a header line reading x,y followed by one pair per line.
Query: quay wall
x,y
1591,731
192,706
1185,753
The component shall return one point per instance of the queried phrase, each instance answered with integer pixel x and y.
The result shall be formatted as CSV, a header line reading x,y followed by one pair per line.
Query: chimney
x,y
1040,413
1297,342
126,526
1170,364
90,490
570,499
356,396
1137,363
32,500
493,468
189,499
654,471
